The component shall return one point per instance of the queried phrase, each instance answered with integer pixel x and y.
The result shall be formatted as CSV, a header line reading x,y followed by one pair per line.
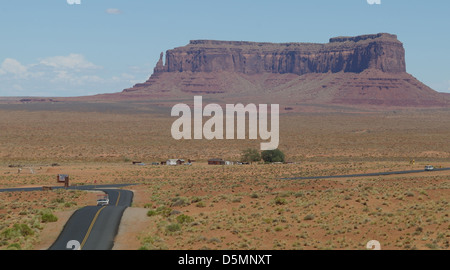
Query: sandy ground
x,y
134,221
234,207
52,230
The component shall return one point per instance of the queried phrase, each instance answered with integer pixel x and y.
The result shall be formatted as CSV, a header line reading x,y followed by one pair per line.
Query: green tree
x,y
250,155
273,156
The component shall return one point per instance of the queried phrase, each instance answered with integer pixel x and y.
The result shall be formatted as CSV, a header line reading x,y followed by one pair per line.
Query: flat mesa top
x,y
333,42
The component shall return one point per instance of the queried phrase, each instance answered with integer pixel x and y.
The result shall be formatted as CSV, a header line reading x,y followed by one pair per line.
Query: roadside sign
x,y
63,178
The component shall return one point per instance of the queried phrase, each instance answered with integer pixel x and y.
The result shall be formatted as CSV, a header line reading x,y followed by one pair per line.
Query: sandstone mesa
x,y
366,70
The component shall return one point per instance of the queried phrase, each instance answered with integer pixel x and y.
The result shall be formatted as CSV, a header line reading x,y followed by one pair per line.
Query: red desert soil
x,y
231,207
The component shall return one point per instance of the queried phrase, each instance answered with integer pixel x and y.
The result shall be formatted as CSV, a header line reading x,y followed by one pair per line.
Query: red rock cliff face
x,y
362,70
342,54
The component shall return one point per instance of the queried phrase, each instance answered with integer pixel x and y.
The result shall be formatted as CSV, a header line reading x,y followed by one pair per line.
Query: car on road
x,y
103,200
429,168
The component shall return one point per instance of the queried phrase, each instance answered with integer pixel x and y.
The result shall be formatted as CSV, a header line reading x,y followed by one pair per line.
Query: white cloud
x,y
69,75
71,2
66,77
371,2
12,66
75,62
114,11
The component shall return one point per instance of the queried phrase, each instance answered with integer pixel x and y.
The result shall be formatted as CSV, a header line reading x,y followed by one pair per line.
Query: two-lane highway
x,y
94,227
363,174
91,227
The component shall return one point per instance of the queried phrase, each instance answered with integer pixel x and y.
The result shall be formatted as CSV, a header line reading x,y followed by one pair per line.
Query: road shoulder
x,y
51,231
134,221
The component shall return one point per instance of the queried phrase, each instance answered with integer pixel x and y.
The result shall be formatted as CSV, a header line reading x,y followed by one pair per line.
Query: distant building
x,y
216,161
174,162
219,161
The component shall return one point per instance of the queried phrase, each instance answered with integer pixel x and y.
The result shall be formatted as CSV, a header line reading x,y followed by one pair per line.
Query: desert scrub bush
x,y
195,199
69,204
152,243
58,200
201,204
18,230
173,227
182,219
280,201
14,246
47,216
236,199
162,210
179,201
308,217
148,205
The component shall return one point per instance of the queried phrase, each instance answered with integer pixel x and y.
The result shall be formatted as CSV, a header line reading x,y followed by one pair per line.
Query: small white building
x,y
175,162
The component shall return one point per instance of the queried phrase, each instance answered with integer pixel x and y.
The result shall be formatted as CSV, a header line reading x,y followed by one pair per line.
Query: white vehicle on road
x,y
103,200
429,168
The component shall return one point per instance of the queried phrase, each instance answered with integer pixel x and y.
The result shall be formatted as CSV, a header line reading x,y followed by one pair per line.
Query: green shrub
x,y
18,230
47,216
195,199
14,246
250,155
58,200
280,201
182,219
69,204
164,211
178,201
201,204
148,205
174,227
273,156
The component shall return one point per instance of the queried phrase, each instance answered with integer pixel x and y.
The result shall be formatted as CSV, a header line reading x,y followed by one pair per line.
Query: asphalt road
x,y
363,175
85,187
94,227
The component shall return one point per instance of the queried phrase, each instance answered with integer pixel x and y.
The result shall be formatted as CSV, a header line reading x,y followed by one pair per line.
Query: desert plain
x,y
237,207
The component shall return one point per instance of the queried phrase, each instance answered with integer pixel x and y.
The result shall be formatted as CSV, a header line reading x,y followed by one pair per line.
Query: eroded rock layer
x,y
368,69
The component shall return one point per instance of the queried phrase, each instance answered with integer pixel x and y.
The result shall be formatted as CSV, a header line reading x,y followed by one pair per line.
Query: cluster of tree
x,y
253,155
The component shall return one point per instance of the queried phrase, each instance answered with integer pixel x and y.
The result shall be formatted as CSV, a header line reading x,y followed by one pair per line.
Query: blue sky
x,y
52,48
